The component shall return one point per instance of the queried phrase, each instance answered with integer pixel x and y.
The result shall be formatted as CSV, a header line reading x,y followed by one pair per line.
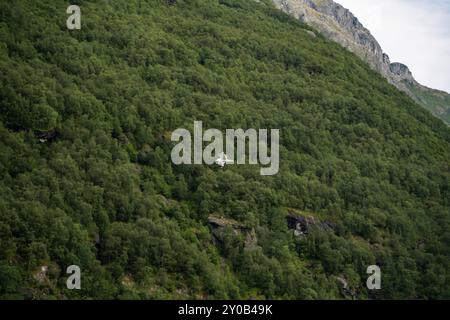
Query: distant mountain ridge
x,y
340,25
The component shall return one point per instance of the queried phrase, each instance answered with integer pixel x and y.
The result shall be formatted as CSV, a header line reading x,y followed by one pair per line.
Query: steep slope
x,y
85,123
340,25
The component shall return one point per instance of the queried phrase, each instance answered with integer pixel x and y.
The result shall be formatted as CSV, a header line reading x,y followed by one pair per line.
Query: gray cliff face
x,y
340,25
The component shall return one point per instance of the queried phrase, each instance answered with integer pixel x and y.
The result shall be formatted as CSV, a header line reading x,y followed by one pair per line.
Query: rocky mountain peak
x,y
402,72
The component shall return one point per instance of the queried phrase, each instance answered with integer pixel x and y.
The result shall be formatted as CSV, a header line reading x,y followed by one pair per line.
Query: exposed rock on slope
x,y
347,291
302,224
219,224
339,24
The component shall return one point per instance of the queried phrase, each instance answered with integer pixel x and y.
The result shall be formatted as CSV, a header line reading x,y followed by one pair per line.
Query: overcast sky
x,y
414,32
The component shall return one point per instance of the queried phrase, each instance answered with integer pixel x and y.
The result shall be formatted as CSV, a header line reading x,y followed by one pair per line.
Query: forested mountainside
x,y
338,24
86,176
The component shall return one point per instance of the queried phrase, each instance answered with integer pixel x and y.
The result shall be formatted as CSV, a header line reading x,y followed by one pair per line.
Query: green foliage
x,y
103,194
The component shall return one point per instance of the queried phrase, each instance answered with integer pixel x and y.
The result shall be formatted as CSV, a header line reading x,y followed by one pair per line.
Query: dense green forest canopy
x,y
86,176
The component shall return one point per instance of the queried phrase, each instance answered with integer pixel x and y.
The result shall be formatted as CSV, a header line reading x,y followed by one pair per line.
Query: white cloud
x,y
414,32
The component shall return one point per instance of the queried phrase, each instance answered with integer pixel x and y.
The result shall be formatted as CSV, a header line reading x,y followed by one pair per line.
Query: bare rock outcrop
x,y
340,25
400,72
347,291
219,224
303,224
